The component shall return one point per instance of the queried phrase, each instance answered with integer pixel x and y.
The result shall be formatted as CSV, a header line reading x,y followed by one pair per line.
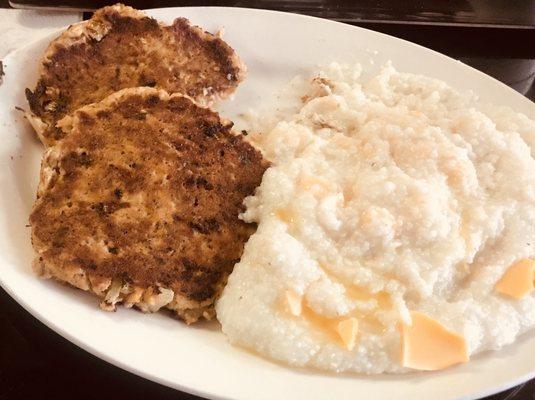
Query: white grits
x,y
386,195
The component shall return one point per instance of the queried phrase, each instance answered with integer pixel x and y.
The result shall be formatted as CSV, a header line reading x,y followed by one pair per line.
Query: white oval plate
x,y
275,46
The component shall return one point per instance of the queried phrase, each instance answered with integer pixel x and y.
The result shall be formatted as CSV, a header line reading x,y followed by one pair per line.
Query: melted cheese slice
x,y
517,282
314,184
294,303
348,329
427,345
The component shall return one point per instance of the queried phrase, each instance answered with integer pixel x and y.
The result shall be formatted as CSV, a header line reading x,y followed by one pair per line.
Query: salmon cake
x,y
139,202
120,47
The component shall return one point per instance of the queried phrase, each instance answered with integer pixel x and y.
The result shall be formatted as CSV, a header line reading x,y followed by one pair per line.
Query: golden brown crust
x,y
145,190
120,47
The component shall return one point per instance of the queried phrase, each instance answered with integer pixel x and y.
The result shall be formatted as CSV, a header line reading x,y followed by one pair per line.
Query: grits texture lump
x,y
393,207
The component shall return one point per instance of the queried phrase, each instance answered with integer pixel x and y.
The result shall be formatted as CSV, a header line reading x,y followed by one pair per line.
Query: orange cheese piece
x,y
348,329
315,185
427,345
517,282
293,302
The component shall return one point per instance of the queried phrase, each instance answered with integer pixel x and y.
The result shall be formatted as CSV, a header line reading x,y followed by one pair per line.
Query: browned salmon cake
x,y
120,47
139,202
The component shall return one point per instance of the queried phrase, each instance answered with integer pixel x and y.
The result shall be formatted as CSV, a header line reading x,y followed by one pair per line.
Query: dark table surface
x,y
37,363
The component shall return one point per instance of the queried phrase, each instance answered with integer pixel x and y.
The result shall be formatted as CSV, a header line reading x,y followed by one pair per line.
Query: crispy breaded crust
x,y
120,47
139,202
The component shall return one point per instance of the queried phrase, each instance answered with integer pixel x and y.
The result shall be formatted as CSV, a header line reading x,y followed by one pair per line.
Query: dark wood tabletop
x,y
36,363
